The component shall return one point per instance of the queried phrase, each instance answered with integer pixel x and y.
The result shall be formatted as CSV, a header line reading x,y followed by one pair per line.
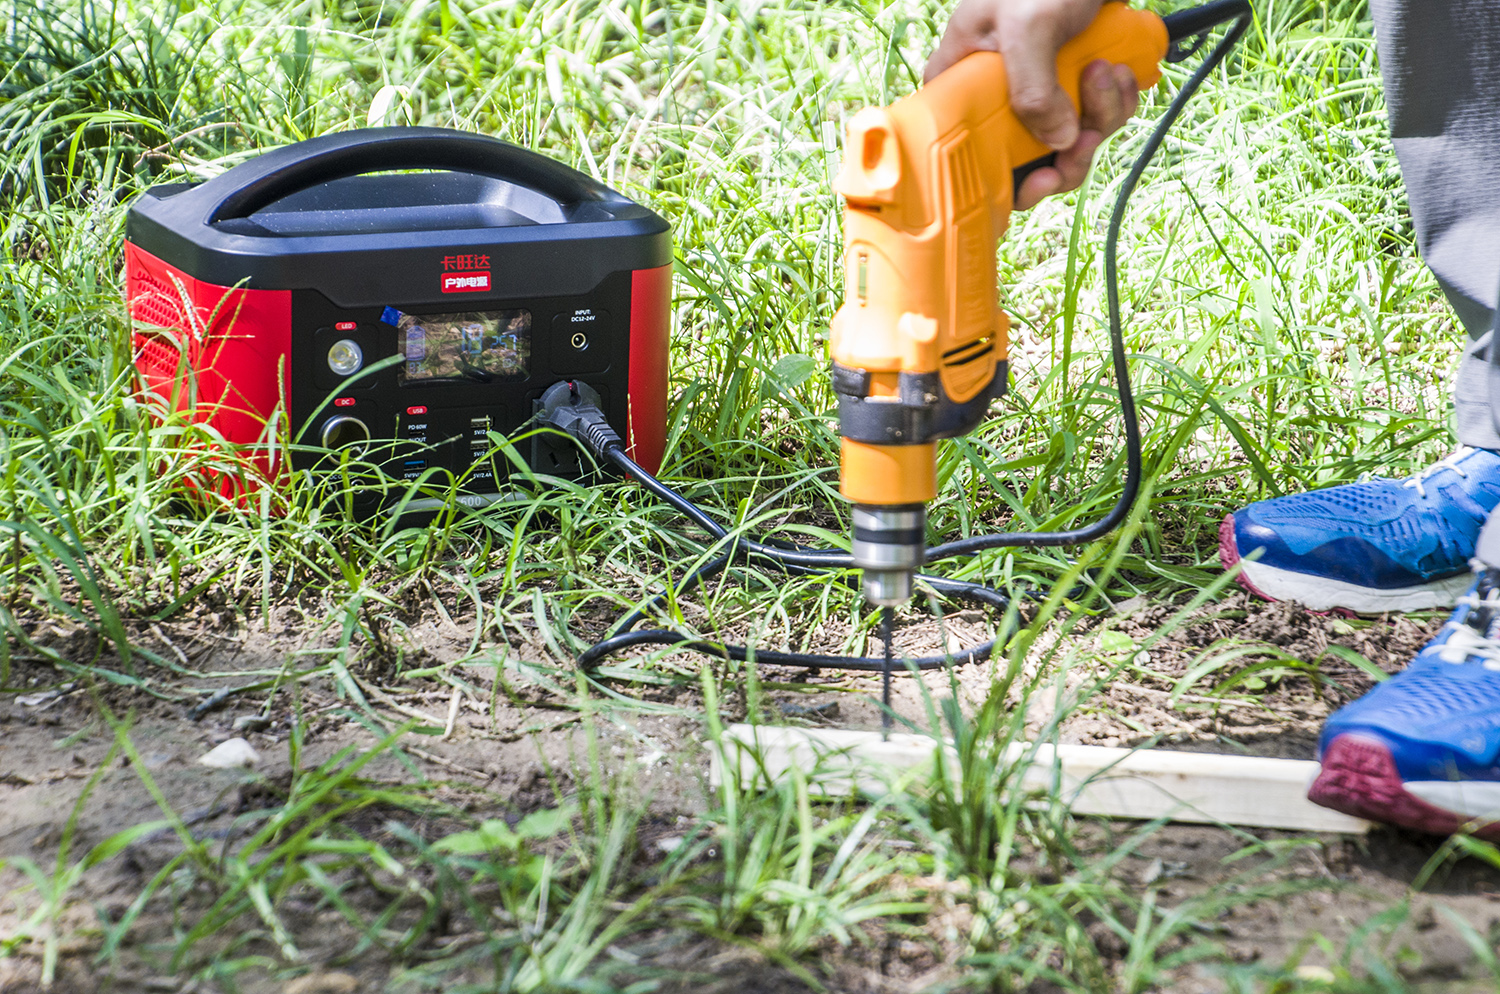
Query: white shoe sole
x,y
1319,593
1465,798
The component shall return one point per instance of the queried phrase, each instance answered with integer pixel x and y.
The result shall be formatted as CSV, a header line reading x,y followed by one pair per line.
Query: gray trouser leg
x,y
1473,415
1440,61
1473,419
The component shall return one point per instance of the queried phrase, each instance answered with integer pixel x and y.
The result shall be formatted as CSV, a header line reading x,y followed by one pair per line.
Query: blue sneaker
x,y
1422,749
1380,545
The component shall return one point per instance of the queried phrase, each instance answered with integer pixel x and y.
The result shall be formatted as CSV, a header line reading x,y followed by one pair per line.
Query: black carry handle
x,y
280,173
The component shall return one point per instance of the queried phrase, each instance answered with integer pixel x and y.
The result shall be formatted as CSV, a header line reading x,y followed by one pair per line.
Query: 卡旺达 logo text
x,y
465,273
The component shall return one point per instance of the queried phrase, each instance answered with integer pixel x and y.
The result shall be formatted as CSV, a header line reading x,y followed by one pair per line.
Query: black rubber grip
x,y
1196,20
893,536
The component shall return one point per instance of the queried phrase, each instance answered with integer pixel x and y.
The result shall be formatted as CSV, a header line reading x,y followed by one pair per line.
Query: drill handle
x,y
972,98
1118,34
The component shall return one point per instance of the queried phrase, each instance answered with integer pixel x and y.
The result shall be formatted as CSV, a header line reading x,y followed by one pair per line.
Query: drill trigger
x,y
1018,175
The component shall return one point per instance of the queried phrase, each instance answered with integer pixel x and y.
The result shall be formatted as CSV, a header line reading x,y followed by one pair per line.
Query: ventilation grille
x,y
964,186
157,357
151,309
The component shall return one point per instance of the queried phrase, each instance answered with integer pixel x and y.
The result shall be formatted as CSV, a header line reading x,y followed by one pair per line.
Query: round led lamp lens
x,y
345,357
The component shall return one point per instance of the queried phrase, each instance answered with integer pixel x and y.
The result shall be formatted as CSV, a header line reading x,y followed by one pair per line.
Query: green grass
x,y
1285,337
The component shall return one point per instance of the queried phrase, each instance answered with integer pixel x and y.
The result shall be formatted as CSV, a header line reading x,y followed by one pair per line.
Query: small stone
x,y
231,754
817,712
1307,972
332,982
251,723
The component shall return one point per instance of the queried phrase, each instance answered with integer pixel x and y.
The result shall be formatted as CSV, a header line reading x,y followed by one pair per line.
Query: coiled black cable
x,y
794,560
798,560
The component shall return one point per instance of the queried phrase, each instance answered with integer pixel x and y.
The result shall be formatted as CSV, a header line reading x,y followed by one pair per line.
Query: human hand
x,y
1029,33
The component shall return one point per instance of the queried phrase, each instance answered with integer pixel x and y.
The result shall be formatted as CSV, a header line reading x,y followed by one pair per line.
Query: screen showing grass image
x,y
474,347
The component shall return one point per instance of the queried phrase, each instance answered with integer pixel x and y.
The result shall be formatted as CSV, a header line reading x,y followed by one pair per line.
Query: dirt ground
x,y
501,744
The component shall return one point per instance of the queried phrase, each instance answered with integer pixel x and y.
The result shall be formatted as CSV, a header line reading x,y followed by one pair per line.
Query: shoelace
x,y
1449,461
1466,642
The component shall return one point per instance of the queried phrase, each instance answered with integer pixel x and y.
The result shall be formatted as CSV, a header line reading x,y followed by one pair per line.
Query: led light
x,y
345,357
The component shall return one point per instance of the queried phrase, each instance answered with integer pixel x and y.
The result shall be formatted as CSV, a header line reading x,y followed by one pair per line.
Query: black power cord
x,y
1078,536
582,419
793,560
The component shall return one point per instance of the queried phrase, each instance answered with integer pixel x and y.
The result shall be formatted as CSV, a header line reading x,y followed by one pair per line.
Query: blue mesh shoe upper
x,y
1379,533
1440,716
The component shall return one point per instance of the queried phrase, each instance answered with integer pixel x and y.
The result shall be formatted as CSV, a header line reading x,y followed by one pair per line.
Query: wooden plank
x,y
1201,788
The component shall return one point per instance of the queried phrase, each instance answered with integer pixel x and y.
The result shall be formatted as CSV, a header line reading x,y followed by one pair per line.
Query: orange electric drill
x,y
919,346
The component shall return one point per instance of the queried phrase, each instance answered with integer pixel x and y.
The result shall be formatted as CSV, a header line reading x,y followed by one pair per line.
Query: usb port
x,y
412,468
480,424
478,453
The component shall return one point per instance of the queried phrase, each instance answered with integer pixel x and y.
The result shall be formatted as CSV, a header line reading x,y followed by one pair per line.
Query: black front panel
x,y
453,374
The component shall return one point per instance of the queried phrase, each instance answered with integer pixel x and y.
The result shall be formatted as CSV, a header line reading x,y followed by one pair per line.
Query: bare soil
x,y
499,744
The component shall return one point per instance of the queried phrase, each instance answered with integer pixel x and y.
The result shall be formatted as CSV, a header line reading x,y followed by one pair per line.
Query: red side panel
x,y
650,323
218,352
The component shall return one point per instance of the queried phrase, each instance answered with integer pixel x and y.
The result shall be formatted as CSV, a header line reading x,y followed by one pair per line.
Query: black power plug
x,y
574,408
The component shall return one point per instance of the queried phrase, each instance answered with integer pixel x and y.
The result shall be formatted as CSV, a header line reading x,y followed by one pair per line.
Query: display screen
x,y
472,347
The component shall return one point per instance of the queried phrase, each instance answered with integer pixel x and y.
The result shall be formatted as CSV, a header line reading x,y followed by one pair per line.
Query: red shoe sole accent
x,y
1229,555
1359,778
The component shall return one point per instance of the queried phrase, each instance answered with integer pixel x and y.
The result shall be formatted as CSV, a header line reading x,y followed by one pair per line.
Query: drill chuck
x,y
889,545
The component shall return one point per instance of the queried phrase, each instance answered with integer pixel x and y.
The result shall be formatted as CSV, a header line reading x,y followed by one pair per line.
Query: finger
x,y
948,52
971,29
940,59
1040,183
1101,101
1073,164
1129,95
1131,88
1036,97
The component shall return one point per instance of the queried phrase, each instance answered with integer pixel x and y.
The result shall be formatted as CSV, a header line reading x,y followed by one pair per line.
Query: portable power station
x,y
403,290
